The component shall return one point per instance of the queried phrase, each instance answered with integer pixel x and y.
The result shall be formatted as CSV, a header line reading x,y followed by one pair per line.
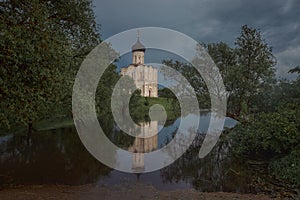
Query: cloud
x,y
207,20
288,6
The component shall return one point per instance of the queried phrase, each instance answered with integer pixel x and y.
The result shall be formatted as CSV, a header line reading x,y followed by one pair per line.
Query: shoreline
x,y
135,191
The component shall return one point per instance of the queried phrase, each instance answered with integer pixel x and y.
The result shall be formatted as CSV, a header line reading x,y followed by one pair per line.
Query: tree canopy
x,y
42,44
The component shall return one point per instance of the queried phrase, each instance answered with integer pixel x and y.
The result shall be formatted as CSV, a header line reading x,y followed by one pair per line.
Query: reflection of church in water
x,y
144,76
144,145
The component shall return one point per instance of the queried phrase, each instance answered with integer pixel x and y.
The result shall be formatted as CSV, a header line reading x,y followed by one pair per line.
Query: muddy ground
x,y
132,192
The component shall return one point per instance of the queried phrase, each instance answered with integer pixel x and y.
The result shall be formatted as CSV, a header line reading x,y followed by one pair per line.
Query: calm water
x,y
58,157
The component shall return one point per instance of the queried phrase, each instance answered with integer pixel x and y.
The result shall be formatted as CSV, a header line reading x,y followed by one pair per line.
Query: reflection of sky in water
x,y
166,134
68,161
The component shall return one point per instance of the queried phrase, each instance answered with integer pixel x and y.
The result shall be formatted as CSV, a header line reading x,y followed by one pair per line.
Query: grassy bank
x,y
140,109
139,112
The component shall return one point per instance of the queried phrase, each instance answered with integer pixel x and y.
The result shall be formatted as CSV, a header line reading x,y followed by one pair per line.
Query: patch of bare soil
x,y
132,192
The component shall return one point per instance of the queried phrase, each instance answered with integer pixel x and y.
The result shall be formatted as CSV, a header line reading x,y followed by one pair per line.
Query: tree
x,y
274,134
193,77
247,70
256,63
225,58
105,89
42,44
166,93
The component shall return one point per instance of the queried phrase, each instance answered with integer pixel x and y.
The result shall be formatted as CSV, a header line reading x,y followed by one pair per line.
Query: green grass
x,y
140,110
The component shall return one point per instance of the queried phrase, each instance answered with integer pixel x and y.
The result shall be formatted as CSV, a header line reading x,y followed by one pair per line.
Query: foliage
x,y
268,135
105,89
42,44
288,167
278,95
193,77
247,69
273,134
166,93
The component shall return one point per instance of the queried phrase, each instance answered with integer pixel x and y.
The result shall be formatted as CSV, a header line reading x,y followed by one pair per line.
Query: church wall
x,y
144,77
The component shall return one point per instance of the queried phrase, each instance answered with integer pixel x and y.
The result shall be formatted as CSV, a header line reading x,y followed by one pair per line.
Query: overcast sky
x,y
211,21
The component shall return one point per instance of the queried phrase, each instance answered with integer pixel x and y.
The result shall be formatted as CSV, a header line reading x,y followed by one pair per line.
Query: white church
x,y
144,76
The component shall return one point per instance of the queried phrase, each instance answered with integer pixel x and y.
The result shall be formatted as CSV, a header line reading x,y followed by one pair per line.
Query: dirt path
x,y
92,192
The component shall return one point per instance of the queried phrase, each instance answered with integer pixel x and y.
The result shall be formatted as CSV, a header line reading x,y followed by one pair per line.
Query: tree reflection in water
x,y
215,172
58,157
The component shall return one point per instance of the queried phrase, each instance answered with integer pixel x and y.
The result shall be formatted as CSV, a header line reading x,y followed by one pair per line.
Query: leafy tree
x,y
284,92
274,134
247,69
225,58
256,63
42,44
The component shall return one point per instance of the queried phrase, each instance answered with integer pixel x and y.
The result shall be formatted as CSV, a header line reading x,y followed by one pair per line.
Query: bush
x,y
288,168
268,135
273,137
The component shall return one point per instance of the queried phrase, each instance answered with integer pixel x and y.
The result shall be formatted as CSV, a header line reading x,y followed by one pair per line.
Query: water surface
x,y
58,157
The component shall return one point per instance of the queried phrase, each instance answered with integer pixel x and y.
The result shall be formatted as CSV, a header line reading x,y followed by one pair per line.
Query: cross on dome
x,y
138,46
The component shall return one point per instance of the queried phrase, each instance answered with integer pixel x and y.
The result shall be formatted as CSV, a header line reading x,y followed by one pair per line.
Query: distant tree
x,y
193,77
166,93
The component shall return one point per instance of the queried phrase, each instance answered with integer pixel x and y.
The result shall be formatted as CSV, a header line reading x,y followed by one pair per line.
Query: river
x,y
58,157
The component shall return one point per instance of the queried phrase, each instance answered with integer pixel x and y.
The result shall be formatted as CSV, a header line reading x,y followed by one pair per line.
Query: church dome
x,y
138,46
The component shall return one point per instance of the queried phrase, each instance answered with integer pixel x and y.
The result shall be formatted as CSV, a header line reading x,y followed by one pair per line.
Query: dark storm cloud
x,y
211,21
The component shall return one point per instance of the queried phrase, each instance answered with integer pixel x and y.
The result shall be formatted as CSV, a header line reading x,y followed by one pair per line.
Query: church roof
x,y
138,46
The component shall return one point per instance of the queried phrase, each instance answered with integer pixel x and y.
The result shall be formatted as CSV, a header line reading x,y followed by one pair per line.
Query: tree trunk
x,y
29,131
